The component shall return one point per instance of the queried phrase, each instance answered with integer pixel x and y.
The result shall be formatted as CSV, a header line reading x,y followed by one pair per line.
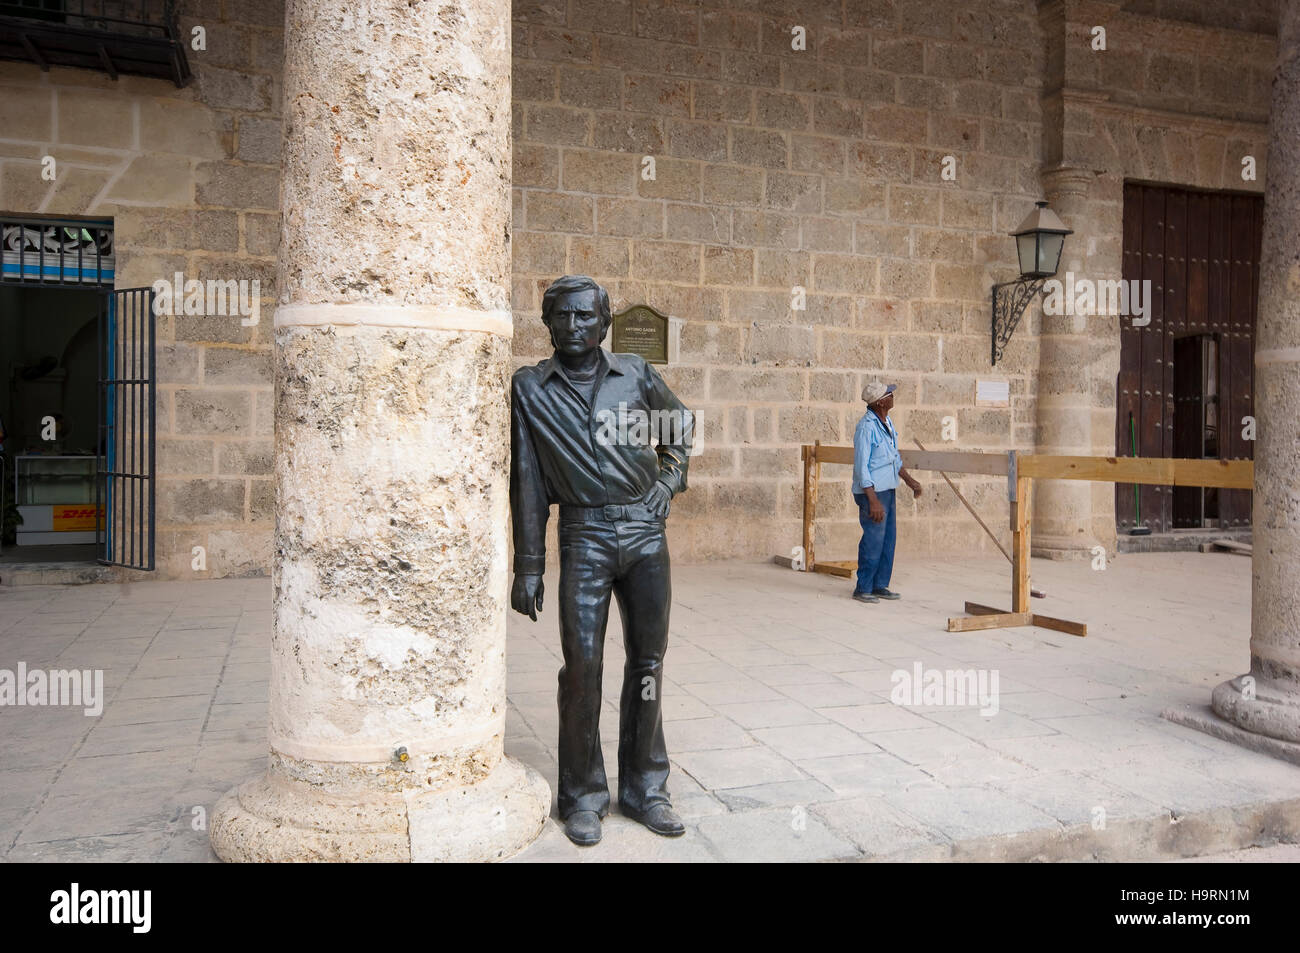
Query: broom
x,y
1036,593
1138,529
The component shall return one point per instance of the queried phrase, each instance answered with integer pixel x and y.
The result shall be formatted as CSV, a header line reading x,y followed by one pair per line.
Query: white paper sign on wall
x,y
992,393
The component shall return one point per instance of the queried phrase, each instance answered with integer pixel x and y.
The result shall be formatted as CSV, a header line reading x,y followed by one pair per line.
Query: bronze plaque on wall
x,y
643,331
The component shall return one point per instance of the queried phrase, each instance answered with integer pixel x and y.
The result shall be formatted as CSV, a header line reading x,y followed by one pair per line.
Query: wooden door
x,y
1200,251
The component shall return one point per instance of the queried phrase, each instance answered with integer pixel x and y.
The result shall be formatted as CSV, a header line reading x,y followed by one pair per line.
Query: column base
x,y
1271,712
1044,546
274,819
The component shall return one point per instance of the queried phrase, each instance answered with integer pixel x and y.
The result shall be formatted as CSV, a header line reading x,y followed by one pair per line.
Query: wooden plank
x,y
1239,474
1000,620
1229,474
1060,625
844,569
809,505
828,454
956,461
1043,621
1020,511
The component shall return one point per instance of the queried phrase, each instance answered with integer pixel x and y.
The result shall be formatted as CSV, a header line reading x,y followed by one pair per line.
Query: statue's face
x,y
575,323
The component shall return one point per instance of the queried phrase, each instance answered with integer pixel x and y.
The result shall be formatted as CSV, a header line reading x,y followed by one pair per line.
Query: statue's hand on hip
x,y
526,594
658,499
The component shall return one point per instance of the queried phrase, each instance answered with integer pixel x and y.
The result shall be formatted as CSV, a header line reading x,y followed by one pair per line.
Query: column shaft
x,y
1267,701
392,347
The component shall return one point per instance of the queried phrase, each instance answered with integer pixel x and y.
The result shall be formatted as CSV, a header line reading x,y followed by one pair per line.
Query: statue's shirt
x,y
607,446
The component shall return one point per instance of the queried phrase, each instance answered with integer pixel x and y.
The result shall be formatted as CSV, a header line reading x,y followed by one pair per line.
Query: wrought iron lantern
x,y
1040,239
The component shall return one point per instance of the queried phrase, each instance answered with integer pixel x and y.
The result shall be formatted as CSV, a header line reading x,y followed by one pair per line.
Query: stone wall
x,y
190,178
774,168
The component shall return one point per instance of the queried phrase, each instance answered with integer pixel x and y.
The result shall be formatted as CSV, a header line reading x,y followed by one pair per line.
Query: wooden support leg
x,y
995,620
1060,625
1020,509
811,476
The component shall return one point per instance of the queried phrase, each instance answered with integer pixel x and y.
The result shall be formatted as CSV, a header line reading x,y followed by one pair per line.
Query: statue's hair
x,y
572,283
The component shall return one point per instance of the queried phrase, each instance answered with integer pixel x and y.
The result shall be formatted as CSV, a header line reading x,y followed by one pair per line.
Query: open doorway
x,y
1196,425
77,400
49,413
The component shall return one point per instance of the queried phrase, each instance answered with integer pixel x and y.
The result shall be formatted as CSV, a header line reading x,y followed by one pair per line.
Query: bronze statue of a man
x,y
603,436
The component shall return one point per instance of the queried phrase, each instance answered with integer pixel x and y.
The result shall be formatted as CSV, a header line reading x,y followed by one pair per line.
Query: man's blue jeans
x,y
876,550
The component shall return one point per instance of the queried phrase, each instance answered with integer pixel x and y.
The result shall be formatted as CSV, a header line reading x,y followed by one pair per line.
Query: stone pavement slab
x,y
784,740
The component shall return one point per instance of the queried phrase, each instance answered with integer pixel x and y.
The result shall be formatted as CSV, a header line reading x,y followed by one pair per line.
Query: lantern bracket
x,y
1010,298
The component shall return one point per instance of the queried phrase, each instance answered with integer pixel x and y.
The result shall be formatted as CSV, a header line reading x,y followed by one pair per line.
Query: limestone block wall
x,y
778,167
190,178
775,167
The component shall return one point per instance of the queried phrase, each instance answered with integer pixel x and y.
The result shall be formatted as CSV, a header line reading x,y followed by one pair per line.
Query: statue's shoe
x,y
660,818
583,828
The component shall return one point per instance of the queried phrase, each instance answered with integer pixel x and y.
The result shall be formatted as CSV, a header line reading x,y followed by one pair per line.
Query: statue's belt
x,y
608,514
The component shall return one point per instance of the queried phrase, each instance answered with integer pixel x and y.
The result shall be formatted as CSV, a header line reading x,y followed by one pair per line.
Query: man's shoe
x,y
583,828
864,597
885,594
660,818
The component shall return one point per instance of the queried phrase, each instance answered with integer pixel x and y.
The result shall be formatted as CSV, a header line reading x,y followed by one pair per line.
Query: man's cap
x,y
877,390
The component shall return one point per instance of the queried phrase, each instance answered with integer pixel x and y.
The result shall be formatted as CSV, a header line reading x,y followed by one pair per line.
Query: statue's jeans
x,y
628,558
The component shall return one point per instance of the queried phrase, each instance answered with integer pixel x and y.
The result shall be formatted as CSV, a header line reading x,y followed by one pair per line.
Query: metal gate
x,y
127,415
1200,251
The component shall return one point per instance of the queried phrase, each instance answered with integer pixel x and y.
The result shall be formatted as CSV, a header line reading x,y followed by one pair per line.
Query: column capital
x,y
1067,182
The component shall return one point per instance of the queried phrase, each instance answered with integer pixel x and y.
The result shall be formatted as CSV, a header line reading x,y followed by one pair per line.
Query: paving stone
x,y
814,741
926,745
770,714
701,734
875,827
962,813
974,723
789,675
724,693
1074,798
872,774
775,836
828,694
779,794
1043,705
737,767
879,717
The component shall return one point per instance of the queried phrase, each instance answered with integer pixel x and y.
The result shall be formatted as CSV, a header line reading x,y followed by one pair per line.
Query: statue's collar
x,y
607,361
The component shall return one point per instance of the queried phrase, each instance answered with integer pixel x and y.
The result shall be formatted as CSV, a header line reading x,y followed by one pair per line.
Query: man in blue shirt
x,y
877,470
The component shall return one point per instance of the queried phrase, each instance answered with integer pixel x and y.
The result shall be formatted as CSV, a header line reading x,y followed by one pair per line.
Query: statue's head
x,y
576,311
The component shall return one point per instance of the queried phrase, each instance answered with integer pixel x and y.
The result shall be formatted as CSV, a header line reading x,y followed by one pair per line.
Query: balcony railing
x,y
137,37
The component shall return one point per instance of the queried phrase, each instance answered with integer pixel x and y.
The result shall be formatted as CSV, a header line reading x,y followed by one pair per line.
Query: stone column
x,y
392,347
1267,701
1067,351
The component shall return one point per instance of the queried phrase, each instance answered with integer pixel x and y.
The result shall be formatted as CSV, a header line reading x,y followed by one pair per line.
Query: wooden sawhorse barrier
x,y
1020,471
